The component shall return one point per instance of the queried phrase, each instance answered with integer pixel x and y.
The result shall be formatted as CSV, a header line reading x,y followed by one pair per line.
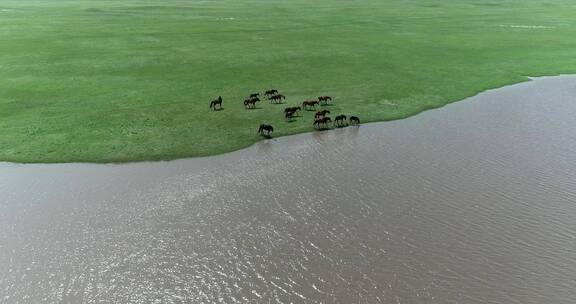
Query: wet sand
x,y
471,203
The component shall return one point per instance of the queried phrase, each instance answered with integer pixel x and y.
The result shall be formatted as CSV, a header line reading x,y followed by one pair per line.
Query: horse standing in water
x,y
354,120
321,114
324,99
216,102
265,130
340,120
309,103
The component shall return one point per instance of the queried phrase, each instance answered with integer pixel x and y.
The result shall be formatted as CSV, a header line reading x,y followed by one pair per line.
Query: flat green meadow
x,y
131,80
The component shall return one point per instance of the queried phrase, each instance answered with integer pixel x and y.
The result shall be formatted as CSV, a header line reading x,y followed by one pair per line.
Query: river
x,y
471,203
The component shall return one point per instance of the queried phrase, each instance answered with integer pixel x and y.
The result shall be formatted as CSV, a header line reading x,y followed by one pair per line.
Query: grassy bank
x,y
129,80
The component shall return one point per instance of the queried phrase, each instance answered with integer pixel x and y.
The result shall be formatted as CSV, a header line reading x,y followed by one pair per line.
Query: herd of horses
x,y
321,120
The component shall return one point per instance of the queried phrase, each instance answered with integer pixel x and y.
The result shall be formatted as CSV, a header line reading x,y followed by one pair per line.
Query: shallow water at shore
x,y
471,203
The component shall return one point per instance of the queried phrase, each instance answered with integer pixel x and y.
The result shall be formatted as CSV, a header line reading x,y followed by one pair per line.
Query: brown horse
x,y
340,120
354,120
265,130
293,110
322,122
289,116
324,99
321,114
309,104
276,98
271,92
216,102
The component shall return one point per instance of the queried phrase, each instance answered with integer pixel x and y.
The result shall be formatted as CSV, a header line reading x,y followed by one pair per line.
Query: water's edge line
x,y
526,79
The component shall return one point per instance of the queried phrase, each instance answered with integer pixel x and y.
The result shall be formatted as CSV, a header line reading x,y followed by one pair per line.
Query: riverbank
x,y
121,81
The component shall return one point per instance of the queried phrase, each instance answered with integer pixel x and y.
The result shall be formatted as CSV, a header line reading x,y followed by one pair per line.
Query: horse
x,y
276,98
312,103
250,103
324,99
339,120
289,116
292,110
322,121
321,114
265,128
254,95
215,102
271,92
354,120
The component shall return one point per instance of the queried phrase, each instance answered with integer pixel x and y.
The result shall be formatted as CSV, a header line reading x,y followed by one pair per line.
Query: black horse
x,y
265,130
354,120
271,92
216,102
324,99
250,103
322,122
276,98
309,103
321,114
254,95
340,120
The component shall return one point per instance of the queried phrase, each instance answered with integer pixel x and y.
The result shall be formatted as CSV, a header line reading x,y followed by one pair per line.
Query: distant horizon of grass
x,y
131,80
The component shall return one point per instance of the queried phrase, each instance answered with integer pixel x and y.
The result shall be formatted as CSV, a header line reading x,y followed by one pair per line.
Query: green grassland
x,y
131,80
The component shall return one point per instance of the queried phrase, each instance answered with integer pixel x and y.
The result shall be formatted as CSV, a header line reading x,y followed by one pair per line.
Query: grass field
x,y
130,80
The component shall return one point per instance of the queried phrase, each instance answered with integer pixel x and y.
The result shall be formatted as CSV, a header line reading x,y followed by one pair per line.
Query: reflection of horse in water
x,y
354,120
309,104
216,102
322,122
265,130
340,120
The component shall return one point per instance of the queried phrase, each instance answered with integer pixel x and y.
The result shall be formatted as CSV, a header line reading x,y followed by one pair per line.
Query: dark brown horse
x,y
250,103
292,110
322,122
276,98
289,116
309,104
354,120
254,95
216,102
340,120
265,130
321,114
271,92
324,99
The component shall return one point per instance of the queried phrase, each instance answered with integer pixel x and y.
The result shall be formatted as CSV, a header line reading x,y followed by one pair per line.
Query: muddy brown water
x,y
471,203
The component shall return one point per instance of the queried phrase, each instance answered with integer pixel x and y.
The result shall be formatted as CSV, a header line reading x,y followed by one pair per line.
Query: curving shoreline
x,y
528,80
